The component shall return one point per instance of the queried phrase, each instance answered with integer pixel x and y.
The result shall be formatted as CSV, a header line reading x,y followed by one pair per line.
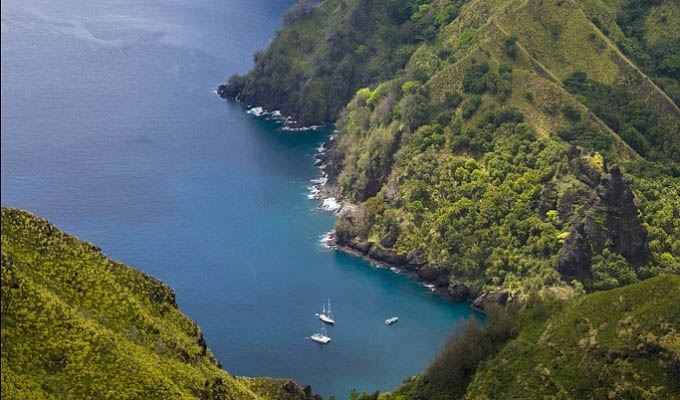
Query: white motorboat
x,y
390,321
321,337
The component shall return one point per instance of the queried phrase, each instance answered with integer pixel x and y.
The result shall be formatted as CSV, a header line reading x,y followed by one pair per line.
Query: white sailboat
x,y
321,337
326,315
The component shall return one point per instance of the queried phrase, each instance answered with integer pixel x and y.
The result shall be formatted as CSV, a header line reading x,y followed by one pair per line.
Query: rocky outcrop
x,y
605,216
437,274
389,256
629,237
500,297
575,256
458,291
415,264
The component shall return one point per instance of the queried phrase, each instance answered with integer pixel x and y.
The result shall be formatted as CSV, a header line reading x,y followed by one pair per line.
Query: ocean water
x,y
111,130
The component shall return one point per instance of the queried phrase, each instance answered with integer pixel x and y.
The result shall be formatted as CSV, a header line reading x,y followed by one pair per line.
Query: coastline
x,y
324,190
327,192
289,124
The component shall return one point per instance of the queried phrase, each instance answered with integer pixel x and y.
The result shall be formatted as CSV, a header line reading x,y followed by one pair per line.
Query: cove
x,y
111,130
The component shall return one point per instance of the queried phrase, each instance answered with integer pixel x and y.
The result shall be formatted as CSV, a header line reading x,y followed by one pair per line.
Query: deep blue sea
x,y
111,130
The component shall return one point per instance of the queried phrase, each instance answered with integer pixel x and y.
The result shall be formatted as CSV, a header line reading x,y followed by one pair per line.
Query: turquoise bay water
x,y
111,129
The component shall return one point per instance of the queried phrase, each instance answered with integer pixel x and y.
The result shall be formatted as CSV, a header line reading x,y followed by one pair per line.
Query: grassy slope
x,y
623,343
76,324
617,344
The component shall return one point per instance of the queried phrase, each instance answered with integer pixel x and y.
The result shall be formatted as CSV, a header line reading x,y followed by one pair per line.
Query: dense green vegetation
x,y
650,135
76,324
493,174
513,147
513,151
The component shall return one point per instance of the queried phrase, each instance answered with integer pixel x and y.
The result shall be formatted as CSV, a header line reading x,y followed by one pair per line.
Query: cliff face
x,y
76,324
609,220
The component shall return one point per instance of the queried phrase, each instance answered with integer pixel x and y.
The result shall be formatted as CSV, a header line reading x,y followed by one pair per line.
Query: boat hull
x,y
321,339
326,319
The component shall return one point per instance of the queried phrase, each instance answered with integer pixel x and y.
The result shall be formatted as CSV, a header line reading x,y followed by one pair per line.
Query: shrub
x,y
586,135
414,110
452,100
571,112
510,46
475,79
470,106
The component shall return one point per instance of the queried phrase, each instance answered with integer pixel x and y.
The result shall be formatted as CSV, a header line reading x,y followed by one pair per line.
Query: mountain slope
x,y
76,324
526,145
628,339
622,344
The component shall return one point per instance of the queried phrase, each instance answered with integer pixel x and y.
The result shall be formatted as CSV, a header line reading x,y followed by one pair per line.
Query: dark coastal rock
x,y
342,235
307,390
499,297
389,256
442,280
587,172
364,247
416,258
231,89
389,240
434,273
570,201
458,291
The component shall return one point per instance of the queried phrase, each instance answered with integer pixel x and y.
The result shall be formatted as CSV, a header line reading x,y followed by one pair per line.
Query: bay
x,y
111,130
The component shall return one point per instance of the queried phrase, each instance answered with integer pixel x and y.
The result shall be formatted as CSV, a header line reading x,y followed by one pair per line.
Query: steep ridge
x,y
525,146
76,324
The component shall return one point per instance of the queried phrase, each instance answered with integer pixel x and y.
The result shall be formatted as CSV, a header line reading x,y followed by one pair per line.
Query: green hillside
x,y
525,146
618,344
76,324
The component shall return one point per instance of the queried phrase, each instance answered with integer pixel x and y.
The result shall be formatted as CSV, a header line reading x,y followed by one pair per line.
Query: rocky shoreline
x,y
412,264
288,124
434,277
